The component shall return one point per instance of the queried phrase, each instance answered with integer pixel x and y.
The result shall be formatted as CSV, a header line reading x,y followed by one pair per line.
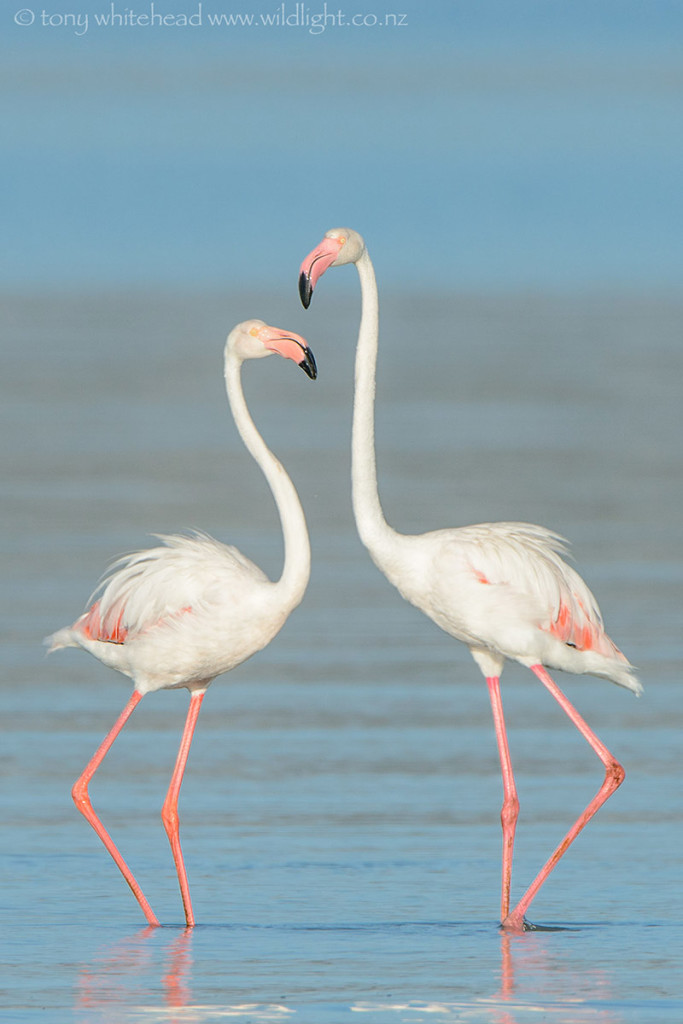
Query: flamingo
x,y
503,589
182,613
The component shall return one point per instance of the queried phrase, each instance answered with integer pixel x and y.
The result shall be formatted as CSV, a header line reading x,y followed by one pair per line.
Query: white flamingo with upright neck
x,y
501,588
181,614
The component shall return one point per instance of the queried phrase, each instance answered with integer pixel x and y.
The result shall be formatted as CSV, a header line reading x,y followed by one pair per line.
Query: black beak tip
x,y
307,364
305,290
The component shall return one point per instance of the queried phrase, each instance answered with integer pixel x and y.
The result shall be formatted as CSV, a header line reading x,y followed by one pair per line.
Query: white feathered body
x,y
505,591
178,614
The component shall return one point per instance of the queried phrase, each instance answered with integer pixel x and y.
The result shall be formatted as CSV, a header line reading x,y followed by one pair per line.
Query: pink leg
x,y
614,776
510,810
82,801
169,812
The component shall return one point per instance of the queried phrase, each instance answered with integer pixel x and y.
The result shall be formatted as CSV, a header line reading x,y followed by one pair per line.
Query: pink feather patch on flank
x,y
110,630
584,634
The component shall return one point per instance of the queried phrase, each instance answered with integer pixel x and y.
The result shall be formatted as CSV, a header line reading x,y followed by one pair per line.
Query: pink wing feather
x,y
529,559
158,585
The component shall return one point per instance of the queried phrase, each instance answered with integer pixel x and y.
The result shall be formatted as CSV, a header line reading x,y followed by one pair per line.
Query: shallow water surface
x,y
340,809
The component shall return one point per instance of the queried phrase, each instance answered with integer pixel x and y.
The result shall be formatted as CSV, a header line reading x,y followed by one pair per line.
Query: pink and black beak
x,y
307,364
290,346
315,265
305,289
301,354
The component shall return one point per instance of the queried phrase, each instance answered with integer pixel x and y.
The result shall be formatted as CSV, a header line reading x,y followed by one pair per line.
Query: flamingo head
x,y
339,246
254,339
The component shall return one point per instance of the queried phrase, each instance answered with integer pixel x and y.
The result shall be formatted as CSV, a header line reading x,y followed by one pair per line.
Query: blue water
x,y
480,144
340,809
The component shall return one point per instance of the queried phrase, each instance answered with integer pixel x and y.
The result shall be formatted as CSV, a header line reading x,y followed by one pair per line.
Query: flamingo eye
x,y
254,332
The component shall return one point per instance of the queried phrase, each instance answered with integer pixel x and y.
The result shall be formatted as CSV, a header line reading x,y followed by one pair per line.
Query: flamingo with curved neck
x,y
501,588
182,613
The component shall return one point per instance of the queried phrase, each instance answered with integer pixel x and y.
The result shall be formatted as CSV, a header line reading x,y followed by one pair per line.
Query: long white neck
x,y
297,564
374,531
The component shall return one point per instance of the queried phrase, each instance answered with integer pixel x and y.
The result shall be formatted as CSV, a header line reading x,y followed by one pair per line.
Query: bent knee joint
x,y
169,816
615,774
509,812
79,794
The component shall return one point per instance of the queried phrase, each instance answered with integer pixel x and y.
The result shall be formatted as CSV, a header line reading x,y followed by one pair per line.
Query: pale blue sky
x,y
506,144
